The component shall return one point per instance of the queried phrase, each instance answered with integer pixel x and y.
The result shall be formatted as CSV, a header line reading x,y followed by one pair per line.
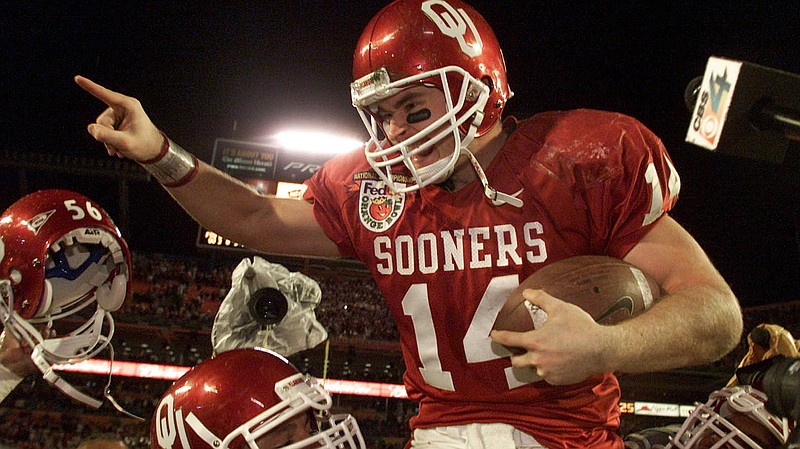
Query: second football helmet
x,y
61,253
720,422
241,397
444,44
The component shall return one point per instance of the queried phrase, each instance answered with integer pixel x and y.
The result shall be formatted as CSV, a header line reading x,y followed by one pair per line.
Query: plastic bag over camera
x,y
268,306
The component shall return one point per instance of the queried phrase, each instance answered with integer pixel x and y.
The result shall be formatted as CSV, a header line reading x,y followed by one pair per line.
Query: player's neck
x,y
485,148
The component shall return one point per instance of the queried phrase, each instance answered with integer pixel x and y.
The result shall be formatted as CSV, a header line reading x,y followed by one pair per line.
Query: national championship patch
x,y
379,207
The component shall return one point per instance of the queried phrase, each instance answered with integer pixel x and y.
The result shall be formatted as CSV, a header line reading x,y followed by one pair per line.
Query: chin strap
x,y
497,198
57,381
436,169
49,375
58,348
107,389
81,344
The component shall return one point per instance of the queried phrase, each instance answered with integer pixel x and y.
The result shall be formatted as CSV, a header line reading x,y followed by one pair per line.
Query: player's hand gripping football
x,y
567,348
124,128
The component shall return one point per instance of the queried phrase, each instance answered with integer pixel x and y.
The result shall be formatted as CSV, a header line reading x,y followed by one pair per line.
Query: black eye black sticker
x,y
418,116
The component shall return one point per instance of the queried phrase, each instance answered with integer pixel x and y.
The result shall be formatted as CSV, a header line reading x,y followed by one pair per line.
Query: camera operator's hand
x,y
16,355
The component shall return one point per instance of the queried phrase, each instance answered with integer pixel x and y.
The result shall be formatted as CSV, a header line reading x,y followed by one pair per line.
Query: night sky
x,y
244,69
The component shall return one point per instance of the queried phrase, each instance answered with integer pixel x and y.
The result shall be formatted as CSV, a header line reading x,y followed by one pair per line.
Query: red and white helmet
x,y
720,422
440,43
60,253
238,397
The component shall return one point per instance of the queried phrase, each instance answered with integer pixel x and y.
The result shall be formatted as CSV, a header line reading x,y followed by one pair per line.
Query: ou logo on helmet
x,y
169,424
454,23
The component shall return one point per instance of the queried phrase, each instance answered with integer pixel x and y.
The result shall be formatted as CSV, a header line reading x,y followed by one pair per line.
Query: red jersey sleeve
x,y
618,171
328,197
644,188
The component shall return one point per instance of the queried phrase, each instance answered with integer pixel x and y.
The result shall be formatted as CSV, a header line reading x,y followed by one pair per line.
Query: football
x,y
610,290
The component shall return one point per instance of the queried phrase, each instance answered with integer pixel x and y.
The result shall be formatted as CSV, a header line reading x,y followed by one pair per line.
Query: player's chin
x,y
425,157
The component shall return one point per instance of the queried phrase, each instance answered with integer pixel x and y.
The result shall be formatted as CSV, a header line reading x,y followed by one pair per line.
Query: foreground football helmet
x,y
240,398
439,43
60,254
733,417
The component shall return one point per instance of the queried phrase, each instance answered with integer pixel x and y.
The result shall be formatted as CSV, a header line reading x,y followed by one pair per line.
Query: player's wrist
x,y
173,166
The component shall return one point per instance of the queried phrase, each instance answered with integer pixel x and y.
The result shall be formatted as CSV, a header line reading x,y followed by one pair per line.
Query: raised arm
x,y
214,199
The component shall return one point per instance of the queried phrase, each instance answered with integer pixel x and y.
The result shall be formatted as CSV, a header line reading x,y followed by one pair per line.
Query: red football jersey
x,y
592,182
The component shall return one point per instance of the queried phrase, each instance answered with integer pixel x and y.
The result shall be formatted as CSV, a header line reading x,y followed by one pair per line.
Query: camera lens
x,y
268,306
779,379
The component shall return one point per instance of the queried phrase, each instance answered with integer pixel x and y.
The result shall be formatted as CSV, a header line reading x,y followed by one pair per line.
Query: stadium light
x,y
321,142
172,372
336,386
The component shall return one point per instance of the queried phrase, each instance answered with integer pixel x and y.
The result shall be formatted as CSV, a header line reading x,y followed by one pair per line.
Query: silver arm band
x,y
174,166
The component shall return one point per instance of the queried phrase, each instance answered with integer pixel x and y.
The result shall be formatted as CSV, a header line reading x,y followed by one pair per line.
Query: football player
x,y
249,398
451,205
61,256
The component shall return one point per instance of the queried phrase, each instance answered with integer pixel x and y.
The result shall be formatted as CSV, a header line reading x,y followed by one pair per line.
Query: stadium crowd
x,y
189,291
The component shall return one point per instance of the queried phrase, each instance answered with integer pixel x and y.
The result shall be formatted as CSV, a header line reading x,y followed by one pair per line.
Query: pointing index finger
x,y
103,94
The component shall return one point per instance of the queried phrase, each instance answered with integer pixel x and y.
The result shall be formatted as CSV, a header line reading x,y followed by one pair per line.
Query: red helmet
x,y
441,43
59,249
237,397
59,253
733,417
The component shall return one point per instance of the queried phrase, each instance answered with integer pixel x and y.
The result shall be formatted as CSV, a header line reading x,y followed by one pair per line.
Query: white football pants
x,y
474,436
